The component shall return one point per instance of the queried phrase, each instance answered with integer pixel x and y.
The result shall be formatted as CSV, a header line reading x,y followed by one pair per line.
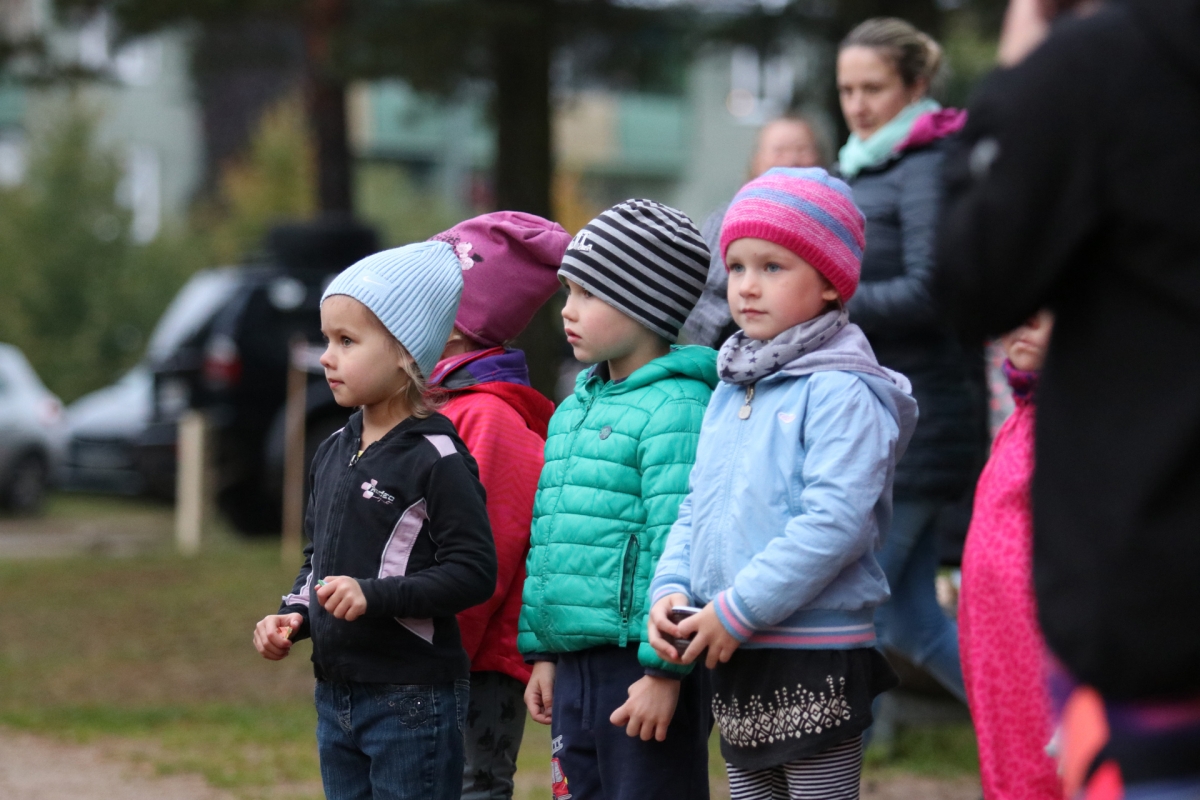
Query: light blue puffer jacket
x,y
786,508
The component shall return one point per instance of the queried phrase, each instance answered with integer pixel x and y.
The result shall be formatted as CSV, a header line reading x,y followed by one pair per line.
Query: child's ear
x,y
830,294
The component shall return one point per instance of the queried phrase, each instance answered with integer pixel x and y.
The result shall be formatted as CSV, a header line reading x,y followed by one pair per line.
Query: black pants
x,y
595,760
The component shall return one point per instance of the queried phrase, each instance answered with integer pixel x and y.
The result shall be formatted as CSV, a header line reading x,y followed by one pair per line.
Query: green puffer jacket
x,y
618,456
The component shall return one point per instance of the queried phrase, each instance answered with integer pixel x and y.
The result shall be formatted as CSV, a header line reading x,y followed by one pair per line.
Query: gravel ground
x,y
33,768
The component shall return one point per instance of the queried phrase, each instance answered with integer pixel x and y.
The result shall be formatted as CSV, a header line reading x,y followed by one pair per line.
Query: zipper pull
x,y
357,452
744,411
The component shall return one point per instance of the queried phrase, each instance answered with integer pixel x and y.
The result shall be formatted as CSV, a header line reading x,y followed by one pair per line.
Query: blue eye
x,y
736,268
347,341
773,268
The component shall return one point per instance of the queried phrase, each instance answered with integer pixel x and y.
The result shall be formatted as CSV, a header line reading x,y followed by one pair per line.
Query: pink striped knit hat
x,y
807,211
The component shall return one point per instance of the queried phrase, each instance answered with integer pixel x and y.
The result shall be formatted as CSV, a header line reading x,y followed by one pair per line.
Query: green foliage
x,y
80,296
273,181
400,210
970,48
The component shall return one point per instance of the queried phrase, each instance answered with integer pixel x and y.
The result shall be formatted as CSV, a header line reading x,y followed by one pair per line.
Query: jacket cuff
x,y
662,587
533,658
374,597
734,615
653,663
662,673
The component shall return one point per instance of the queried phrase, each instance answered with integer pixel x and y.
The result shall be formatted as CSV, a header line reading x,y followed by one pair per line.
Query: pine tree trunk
x,y
325,93
524,160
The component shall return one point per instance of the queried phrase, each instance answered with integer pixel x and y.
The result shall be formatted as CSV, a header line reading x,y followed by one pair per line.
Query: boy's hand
x,y
269,640
710,633
539,694
659,627
649,709
342,597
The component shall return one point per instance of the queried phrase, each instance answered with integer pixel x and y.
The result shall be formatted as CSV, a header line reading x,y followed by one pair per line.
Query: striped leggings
x,y
832,774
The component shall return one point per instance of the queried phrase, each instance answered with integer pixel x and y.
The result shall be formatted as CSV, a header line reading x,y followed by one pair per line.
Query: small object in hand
x,y
677,615
320,582
285,631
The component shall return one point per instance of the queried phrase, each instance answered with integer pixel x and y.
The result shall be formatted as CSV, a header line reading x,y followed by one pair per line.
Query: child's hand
x,y
649,709
539,694
659,627
342,597
269,640
710,633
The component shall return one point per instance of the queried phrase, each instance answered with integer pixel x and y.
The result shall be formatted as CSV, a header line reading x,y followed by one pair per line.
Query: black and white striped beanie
x,y
645,259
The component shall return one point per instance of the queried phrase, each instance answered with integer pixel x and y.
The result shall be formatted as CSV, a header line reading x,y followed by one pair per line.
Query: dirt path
x,y
33,768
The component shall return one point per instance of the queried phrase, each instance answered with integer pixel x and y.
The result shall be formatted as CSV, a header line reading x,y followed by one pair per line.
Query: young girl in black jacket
x,y
400,540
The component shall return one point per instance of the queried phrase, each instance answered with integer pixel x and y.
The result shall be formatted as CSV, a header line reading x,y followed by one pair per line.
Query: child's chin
x,y
343,399
583,356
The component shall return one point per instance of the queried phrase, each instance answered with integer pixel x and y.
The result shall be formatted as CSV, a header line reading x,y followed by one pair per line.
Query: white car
x,y
32,434
102,434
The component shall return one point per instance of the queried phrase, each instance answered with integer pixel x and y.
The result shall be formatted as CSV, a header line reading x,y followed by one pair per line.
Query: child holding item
x,y
790,494
510,264
1003,655
617,459
399,540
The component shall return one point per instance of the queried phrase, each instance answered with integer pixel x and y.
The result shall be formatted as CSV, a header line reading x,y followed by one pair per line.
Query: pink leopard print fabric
x,y
1001,646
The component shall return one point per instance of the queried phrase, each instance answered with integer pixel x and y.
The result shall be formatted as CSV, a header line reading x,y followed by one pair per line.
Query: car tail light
x,y
222,363
50,412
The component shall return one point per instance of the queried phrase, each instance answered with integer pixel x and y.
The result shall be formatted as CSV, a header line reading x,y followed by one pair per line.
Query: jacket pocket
x,y
628,578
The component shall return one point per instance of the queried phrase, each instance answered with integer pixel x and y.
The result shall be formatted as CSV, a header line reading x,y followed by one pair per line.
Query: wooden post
x,y
293,453
191,482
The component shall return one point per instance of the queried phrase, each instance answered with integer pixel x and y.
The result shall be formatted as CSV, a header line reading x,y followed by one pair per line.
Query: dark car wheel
x,y
27,485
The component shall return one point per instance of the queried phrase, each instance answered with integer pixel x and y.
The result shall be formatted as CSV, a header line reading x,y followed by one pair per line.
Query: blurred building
x,y
691,150
140,94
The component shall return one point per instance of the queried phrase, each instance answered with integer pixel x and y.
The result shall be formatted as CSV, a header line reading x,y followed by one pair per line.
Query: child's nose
x,y
326,358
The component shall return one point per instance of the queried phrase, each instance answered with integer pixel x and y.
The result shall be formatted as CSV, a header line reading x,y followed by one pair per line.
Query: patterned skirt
x,y
776,706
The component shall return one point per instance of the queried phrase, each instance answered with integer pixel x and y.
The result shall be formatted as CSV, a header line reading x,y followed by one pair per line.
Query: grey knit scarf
x,y
744,361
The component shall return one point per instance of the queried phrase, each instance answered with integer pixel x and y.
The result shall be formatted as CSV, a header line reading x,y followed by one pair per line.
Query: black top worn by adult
x,y
408,519
1077,186
895,308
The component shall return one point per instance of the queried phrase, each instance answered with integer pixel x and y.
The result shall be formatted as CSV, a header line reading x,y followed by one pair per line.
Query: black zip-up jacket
x,y
1076,185
407,519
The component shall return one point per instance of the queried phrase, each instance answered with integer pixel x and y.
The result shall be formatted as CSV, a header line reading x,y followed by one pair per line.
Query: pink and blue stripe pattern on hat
x,y
810,213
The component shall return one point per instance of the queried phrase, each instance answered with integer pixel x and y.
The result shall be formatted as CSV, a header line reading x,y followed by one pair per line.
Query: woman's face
x,y
871,90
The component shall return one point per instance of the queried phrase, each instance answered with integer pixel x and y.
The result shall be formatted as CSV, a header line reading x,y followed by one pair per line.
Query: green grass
x,y
85,505
153,656
937,751
156,650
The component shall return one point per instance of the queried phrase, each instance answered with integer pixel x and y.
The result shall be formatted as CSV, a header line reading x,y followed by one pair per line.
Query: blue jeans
x,y
381,741
912,622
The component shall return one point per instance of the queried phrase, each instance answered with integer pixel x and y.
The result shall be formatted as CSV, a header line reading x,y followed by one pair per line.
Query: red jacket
x,y
502,421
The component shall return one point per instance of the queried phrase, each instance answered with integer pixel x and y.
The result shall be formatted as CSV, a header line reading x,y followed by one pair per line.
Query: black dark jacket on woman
x,y
408,519
894,306
1077,186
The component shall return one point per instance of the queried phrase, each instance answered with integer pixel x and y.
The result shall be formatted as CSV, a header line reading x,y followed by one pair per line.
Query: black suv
x,y
233,365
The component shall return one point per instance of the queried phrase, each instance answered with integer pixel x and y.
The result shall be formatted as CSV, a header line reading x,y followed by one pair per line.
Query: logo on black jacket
x,y
371,490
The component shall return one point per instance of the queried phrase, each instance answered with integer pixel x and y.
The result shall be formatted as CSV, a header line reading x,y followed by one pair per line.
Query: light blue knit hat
x,y
414,290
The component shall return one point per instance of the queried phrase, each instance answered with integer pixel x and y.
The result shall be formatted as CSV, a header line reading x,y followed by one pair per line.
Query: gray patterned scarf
x,y
744,361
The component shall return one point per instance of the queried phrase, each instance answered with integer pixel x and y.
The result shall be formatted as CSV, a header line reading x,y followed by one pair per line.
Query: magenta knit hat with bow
x,y
809,212
510,266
